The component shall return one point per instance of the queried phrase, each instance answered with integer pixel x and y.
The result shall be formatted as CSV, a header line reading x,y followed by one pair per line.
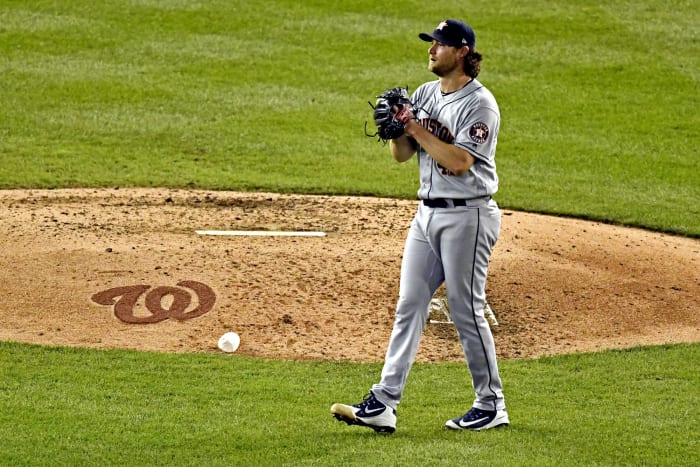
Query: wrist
x,y
411,128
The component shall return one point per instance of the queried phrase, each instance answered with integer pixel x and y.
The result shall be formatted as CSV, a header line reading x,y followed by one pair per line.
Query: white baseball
x,y
229,342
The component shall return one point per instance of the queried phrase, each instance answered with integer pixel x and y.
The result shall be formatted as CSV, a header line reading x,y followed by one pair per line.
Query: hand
x,y
405,113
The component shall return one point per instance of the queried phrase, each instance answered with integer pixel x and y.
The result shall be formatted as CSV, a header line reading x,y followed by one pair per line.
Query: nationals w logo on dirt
x,y
125,302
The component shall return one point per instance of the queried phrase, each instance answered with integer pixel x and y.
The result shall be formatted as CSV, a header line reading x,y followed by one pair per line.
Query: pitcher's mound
x,y
126,268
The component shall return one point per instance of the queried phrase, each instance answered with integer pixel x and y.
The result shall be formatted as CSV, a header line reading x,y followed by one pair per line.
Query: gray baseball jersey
x,y
470,119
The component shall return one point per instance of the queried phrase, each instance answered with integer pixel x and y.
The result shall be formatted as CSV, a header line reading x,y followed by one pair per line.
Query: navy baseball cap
x,y
452,32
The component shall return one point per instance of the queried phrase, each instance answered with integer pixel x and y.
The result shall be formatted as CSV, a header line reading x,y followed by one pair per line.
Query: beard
x,y
443,69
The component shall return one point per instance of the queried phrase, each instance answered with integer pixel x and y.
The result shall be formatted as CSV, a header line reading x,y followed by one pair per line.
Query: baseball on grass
x,y
229,342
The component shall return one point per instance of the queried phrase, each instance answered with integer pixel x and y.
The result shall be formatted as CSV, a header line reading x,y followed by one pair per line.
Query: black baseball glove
x,y
391,113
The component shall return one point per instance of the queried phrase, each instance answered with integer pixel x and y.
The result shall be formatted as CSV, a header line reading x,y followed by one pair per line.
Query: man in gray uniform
x,y
452,127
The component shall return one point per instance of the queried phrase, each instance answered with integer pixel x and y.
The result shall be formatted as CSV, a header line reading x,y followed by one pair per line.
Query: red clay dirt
x,y
125,268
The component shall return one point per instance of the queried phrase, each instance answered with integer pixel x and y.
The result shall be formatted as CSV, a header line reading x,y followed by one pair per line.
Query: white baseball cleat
x,y
370,413
477,420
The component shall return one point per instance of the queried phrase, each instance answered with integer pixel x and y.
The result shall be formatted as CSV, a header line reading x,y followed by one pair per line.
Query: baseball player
x,y
452,125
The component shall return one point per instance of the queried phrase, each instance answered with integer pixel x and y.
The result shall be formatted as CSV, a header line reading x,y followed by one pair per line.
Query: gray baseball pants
x,y
450,245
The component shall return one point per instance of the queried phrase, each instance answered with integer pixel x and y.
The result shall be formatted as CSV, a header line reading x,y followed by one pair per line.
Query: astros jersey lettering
x,y
468,118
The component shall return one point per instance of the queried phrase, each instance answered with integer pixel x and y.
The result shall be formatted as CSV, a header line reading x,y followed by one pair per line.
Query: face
x,y
444,59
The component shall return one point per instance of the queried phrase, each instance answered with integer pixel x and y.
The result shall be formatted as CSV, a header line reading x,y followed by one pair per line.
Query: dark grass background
x,y
598,100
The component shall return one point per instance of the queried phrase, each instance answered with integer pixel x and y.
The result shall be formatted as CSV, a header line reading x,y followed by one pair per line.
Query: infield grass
x,y
598,100
61,406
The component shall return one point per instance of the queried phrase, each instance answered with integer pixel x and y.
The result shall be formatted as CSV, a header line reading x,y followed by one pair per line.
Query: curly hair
x,y
472,63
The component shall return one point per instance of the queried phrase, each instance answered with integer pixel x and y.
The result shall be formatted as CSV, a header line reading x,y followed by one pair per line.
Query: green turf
x,y
598,100
61,406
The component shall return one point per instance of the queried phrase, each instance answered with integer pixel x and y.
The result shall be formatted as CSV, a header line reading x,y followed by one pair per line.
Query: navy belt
x,y
451,203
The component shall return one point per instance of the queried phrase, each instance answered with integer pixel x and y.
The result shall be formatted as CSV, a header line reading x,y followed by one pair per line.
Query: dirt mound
x,y
126,268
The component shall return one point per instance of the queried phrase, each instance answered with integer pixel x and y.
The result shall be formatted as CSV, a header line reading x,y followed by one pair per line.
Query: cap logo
x,y
442,25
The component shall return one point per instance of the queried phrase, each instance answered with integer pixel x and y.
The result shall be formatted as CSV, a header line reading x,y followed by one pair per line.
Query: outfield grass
x,y
599,100
61,406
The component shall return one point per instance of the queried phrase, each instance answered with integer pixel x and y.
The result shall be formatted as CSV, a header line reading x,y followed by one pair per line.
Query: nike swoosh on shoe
x,y
372,413
473,422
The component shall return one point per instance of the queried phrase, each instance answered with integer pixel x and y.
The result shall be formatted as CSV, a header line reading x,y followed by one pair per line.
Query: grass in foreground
x,y
88,407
